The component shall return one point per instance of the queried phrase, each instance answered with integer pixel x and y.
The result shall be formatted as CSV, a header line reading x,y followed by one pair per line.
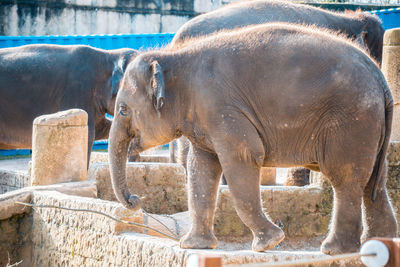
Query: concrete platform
x,y
65,238
21,165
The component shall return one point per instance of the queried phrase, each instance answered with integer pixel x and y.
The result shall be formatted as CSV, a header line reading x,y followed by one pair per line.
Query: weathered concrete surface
x,y
297,177
16,220
391,70
65,238
268,176
59,147
393,181
162,184
103,157
9,207
15,242
61,17
15,164
13,180
301,211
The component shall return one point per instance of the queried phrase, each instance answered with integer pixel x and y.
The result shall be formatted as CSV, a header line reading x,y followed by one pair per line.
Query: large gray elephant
x,y
272,95
364,27
43,79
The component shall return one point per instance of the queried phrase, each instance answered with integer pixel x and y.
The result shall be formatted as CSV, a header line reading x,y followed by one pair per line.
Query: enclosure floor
x,y
15,164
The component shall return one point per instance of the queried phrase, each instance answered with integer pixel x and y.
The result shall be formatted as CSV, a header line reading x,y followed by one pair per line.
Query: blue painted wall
x,y
135,41
390,17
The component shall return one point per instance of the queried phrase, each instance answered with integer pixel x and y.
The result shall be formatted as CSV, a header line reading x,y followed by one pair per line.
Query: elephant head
x,y
371,35
142,113
120,59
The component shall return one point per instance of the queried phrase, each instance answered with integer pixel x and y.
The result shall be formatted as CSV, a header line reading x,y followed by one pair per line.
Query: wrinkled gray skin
x,y
364,27
43,79
271,95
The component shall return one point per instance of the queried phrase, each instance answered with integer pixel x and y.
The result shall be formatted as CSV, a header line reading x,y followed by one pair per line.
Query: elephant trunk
x,y
118,150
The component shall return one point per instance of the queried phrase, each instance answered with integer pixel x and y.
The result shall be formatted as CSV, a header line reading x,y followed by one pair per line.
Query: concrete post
x,y
297,177
268,176
391,70
59,147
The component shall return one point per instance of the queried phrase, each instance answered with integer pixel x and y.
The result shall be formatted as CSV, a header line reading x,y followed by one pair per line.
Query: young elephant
x,y
42,79
364,27
272,95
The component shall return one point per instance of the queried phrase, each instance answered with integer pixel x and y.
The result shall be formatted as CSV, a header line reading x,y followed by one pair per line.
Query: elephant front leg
x,y
203,171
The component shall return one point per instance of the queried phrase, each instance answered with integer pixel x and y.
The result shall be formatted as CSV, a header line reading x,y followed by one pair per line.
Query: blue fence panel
x,y
390,17
15,152
135,41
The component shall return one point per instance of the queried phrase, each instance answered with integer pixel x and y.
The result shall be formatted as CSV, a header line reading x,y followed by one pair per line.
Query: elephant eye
x,y
123,110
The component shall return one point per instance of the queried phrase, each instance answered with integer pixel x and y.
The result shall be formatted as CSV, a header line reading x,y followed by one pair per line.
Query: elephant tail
x,y
378,176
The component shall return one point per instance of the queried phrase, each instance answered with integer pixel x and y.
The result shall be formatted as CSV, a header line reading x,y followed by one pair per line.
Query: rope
x,y
166,227
103,214
326,259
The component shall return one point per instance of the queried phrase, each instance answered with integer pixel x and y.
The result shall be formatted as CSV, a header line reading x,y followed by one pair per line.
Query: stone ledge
x,y
96,157
13,180
301,211
64,238
9,208
162,184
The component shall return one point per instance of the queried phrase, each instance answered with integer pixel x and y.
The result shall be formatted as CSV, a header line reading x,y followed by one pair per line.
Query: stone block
x,y
98,157
103,157
67,238
9,207
391,70
297,177
163,185
301,211
12,180
15,242
59,147
393,154
268,176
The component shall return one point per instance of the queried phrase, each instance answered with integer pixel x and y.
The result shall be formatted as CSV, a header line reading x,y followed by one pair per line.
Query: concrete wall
x,y
69,17
12,180
15,240
81,17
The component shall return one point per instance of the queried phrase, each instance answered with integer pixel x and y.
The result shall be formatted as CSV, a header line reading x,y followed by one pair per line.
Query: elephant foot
x,y
199,240
389,231
267,239
333,245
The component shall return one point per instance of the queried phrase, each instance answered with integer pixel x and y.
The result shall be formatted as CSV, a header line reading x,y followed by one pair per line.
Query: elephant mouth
x,y
136,145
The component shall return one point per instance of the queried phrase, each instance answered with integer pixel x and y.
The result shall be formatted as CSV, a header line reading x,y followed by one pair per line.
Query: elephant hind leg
x,y
346,227
378,215
348,174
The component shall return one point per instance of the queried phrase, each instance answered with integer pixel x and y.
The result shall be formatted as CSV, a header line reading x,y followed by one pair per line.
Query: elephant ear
x,y
157,88
116,77
361,39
